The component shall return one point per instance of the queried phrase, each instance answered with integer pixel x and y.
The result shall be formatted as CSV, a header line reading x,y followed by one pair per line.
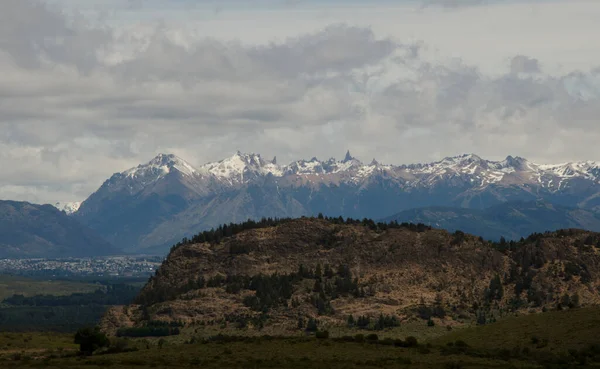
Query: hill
x,y
276,273
511,220
152,206
35,231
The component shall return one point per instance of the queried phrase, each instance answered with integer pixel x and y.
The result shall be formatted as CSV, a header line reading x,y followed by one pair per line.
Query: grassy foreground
x,y
559,339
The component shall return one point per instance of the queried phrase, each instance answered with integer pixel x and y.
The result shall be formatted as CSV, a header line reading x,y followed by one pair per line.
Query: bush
x,y
322,334
372,337
411,341
312,325
359,338
90,339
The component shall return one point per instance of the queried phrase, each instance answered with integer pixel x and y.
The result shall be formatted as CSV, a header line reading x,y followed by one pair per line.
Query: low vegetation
x,y
547,340
59,306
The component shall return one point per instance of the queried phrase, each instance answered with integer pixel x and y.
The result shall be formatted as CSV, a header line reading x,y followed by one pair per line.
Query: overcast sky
x,y
93,87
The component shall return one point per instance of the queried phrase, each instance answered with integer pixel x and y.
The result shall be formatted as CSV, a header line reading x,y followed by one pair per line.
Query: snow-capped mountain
x,y
68,207
242,168
157,203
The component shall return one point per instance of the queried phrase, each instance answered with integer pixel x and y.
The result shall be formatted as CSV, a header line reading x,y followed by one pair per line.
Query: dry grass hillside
x,y
296,270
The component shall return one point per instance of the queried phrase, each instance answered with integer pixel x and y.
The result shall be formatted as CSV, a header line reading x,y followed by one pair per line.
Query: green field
x,y
560,339
554,330
16,285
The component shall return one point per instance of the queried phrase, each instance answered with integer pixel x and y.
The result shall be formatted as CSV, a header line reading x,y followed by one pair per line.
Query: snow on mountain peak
x,y
241,166
160,166
68,207
146,174
461,170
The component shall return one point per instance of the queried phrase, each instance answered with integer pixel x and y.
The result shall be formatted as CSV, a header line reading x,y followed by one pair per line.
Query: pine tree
x,y
351,321
318,272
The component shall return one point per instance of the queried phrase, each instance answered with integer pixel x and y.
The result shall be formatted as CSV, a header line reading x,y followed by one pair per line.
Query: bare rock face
x,y
329,269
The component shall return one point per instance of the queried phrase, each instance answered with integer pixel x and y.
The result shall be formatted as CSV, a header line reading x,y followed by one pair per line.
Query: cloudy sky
x,y
92,87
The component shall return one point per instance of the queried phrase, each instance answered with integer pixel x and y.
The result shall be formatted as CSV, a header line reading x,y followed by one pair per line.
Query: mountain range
x,y
150,207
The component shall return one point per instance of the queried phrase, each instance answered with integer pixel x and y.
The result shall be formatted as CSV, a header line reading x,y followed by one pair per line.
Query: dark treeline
x,y
62,313
215,235
49,318
115,294
275,290
365,322
152,328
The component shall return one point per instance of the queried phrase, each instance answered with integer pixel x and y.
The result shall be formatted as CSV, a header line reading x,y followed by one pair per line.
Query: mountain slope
x,y
149,207
329,269
511,220
31,231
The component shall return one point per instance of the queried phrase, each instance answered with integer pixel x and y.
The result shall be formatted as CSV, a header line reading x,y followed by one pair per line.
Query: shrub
x,y
312,325
322,334
372,337
411,341
90,339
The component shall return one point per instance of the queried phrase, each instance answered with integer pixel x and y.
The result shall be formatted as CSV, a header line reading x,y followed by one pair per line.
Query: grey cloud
x,y
70,115
453,3
333,49
33,34
524,64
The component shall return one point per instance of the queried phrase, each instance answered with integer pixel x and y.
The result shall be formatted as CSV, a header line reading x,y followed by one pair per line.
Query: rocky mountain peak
x,y
348,157
242,167
160,166
516,162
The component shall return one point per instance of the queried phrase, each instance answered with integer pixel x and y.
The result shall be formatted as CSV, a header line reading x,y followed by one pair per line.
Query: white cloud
x,y
80,101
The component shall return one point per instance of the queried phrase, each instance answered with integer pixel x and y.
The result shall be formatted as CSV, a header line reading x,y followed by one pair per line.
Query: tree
x,y
351,321
328,271
301,323
90,339
318,272
495,290
574,303
312,325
